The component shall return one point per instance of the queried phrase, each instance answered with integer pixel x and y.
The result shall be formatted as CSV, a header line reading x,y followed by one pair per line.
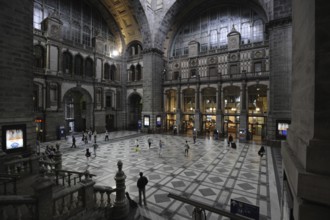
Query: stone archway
x,y
78,109
134,110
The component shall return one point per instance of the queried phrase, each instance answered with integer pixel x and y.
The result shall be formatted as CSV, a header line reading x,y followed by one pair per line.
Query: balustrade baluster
x,y
65,206
95,199
102,205
56,174
75,180
56,208
109,199
63,180
3,213
18,212
9,171
80,177
69,179
5,188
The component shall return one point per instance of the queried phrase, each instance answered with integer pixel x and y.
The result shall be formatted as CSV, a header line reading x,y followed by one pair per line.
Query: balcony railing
x,y
222,78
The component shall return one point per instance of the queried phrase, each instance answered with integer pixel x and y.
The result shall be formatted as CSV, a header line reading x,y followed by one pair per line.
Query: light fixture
x,y
115,53
233,109
257,109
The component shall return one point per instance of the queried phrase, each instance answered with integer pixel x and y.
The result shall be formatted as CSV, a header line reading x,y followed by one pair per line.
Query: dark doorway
x,y
134,111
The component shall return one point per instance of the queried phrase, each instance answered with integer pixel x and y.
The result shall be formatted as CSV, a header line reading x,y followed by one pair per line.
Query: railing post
x,y
88,194
120,210
34,163
198,214
44,193
58,158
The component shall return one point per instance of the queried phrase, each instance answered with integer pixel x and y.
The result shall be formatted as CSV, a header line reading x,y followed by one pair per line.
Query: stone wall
x,y
16,59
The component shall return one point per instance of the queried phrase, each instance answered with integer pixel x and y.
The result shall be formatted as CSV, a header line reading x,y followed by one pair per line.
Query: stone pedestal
x,y
43,191
120,210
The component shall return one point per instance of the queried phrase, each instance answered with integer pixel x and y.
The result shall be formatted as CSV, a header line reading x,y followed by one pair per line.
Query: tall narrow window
x,y
37,16
258,31
223,36
89,67
214,39
39,56
76,32
67,63
86,36
106,71
138,72
246,32
78,65
113,72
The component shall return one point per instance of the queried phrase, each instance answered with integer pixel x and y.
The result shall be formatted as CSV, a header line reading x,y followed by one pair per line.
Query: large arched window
x,y
67,62
89,67
210,28
39,56
78,65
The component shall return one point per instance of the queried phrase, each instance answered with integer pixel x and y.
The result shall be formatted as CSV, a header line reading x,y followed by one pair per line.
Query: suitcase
x,y
233,145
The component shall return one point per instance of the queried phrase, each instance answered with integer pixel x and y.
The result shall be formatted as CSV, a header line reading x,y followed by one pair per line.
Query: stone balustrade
x,y
102,196
18,207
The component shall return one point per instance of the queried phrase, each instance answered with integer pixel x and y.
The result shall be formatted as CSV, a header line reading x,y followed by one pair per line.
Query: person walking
x,y
87,154
186,148
149,142
90,134
141,184
73,142
261,151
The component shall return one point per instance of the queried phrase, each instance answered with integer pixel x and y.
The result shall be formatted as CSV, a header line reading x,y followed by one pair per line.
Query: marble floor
x,y
212,173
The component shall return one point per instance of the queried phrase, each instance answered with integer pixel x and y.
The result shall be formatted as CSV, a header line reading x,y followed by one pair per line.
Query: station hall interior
x,y
168,71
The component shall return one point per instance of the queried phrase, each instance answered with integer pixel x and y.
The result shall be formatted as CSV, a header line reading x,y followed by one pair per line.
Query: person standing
x,y
94,149
106,136
194,135
186,149
230,140
141,184
73,142
90,134
149,142
95,136
160,148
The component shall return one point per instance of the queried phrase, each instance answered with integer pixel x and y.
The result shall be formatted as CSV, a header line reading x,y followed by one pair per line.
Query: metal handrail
x,y
207,207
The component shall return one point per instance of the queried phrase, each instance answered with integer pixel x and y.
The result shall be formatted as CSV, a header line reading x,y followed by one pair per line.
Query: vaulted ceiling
x,y
153,22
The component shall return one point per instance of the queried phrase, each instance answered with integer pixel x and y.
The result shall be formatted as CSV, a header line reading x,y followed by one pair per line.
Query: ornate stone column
x,y
219,113
243,119
153,66
178,108
198,120
121,205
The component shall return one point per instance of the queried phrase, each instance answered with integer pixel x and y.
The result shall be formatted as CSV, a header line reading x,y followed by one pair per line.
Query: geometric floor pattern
x,y
212,173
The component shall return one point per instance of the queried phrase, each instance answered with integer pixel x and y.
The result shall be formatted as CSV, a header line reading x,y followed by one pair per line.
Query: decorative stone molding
x,y
152,50
278,22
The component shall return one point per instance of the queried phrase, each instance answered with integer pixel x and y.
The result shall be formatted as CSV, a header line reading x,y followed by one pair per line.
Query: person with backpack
x,y
141,184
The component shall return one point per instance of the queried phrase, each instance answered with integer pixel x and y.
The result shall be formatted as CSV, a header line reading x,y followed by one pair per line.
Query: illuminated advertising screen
x,y
13,137
158,121
282,129
146,121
